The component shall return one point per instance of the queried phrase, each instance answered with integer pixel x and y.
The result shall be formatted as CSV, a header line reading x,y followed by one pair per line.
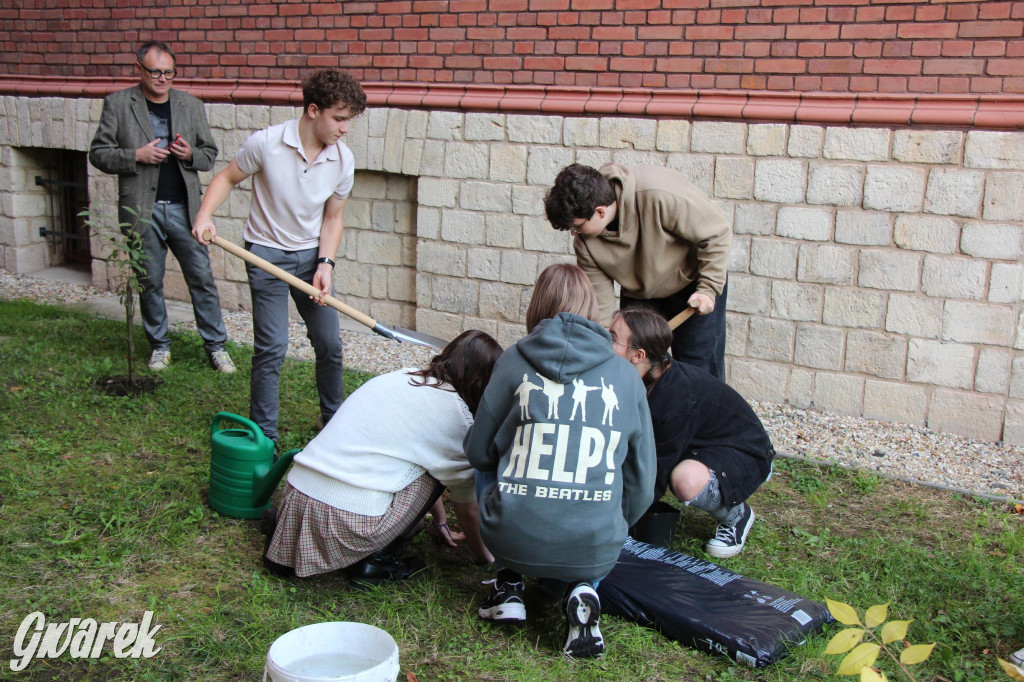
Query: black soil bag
x,y
710,608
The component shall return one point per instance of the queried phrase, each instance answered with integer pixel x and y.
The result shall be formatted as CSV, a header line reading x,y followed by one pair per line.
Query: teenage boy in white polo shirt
x,y
302,174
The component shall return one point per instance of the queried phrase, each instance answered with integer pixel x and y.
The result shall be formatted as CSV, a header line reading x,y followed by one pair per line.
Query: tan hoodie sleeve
x,y
604,286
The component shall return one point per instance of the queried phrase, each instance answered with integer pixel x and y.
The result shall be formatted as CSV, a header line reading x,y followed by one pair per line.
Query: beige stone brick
x,y
952,191
782,181
580,132
718,137
924,233
773,258
805,141
453,295
444,125
864,228
953,277
839,393
881,355
1019,343
428,223
1017,378
992,149
544,163
1006,283
766,139
485,127
857,144
826,264
518,267
1013,425
627,133
801,388
819,347
463,227
992,240
402,284
508,163
441,258
914,316
441,325
889,270
734,178
416,124
893,402
736,329
1004,199
749,294
528,200
739,254
835,184
754,219
672,136
378,248
394,141
221,115
798,222
499,301
595,158
484,263
968,414
853,308
534,129
894,188
697,168
504,231
993,372
758,380
927,146
978,323
438,192
485,196
432,160
770,339
943,364
798,302
466,160
538,235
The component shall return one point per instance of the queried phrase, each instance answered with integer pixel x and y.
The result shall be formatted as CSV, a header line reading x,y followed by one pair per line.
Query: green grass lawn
x,y
103,515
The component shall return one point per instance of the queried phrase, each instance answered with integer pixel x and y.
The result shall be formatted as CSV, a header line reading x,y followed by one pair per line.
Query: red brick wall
x,y
908,46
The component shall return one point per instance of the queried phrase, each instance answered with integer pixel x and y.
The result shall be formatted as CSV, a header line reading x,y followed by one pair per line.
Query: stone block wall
x,y
875,271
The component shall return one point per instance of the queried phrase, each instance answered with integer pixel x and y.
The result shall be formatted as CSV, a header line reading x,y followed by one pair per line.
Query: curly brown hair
x,y
328,87
577,192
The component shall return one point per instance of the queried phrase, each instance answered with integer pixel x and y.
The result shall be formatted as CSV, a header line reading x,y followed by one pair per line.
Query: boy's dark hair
x,y
577,192
648,331
327,87
465,364
144,49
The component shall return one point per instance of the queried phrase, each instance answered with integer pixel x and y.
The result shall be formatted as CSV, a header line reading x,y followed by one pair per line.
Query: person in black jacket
x,y
713,451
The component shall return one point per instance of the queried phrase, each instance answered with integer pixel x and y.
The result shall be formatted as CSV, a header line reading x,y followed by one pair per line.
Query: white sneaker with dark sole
x,y
729,540
582,614
504,604
159,360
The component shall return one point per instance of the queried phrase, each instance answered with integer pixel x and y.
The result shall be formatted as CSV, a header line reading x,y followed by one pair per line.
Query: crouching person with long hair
x,y
564,456
358,492
713,451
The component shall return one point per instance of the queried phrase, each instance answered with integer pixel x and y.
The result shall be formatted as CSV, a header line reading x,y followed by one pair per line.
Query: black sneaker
x,y
729,540
582,614
505,603
373,571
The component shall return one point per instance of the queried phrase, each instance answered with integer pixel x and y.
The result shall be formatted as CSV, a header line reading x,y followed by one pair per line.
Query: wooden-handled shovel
x,y
681,317
395,333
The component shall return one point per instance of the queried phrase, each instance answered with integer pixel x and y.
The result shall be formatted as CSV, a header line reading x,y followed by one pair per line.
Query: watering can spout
x,y
266,477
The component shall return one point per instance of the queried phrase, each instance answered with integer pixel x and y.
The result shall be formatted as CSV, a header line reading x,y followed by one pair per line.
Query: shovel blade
x,y
409,336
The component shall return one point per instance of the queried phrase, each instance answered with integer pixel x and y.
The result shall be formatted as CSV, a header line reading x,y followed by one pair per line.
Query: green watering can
x,y
243,473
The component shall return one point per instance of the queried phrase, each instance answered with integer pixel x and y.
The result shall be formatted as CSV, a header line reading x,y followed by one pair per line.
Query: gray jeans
x,y
270,335
710,500
170,227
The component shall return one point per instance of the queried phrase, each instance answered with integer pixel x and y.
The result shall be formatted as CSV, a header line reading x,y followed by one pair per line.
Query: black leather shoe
x,y
380,570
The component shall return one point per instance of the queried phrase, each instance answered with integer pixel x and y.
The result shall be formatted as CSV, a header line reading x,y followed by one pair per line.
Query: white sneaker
x,y
729,540
582,614
1017,658
159,360
222,362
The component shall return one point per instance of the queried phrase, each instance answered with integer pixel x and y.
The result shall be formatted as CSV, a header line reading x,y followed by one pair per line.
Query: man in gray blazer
x,y
156,139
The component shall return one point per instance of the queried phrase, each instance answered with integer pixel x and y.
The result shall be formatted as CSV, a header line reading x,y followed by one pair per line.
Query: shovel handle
x,y
680,318
291,279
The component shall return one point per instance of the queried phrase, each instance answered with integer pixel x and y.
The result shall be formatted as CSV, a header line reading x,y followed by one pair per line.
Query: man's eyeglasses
x,y
627,345
156,73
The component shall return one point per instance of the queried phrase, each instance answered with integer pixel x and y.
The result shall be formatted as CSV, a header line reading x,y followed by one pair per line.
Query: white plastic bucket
x,y
354,652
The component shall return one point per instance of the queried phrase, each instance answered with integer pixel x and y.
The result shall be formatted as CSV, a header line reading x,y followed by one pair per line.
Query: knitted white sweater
x,y
385,436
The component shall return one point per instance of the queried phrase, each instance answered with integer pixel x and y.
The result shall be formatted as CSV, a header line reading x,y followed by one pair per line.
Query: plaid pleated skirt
x,y
313,537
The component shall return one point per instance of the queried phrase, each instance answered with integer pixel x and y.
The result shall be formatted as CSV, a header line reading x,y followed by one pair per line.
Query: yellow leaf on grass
x,y
862,656
876,615
844,613
916,653
895,630
1010,669
872,675
844,641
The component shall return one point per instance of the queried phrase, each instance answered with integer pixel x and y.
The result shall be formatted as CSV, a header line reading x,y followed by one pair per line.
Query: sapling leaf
x,y
844,641
895,630
916,653
876,615
1010,669
869,674
844,613
862,656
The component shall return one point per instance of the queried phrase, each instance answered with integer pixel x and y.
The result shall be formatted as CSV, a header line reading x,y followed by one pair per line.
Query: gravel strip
x,y
892,450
